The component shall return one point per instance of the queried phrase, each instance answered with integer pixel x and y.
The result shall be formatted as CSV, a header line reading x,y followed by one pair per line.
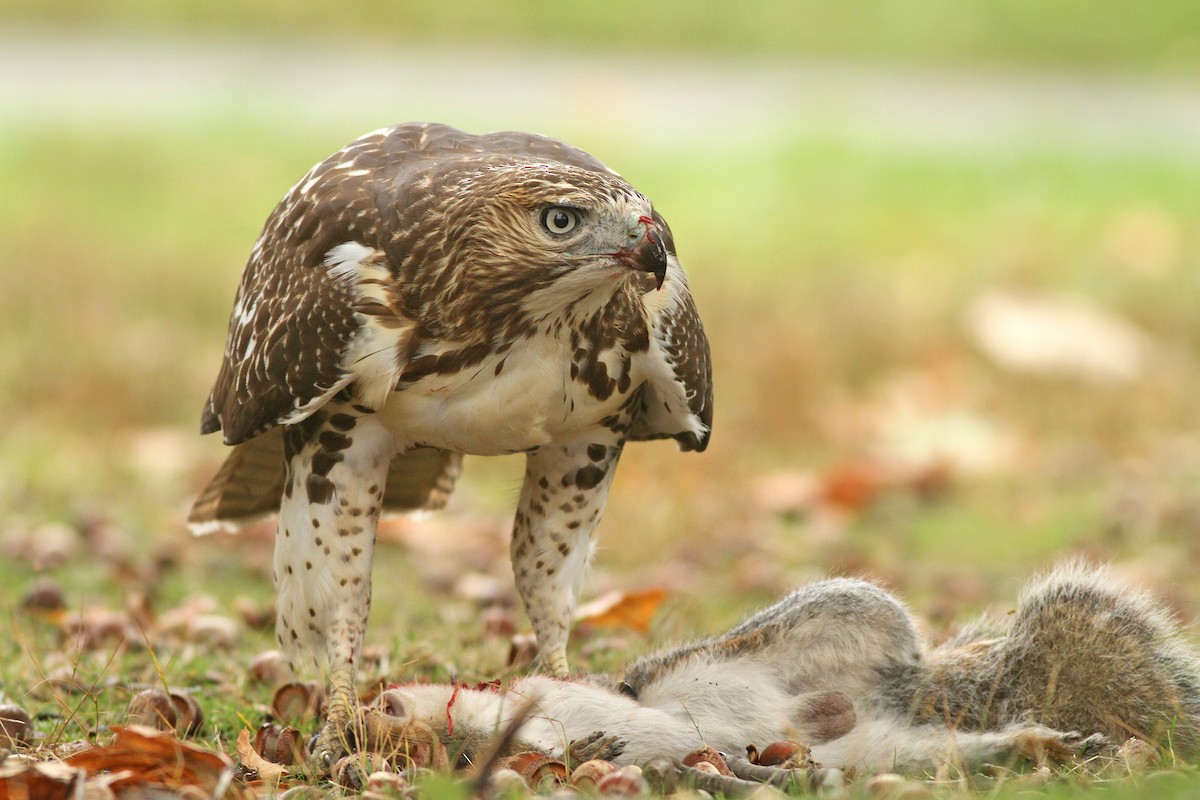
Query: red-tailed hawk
x,y
425,293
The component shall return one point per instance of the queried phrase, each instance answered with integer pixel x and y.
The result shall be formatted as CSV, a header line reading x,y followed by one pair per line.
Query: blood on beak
x,y
648,255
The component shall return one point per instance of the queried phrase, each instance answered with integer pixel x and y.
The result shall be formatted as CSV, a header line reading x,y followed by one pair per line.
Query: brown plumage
x,y
425,293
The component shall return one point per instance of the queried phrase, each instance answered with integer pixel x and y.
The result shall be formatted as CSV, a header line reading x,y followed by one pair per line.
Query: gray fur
x,y
1082,653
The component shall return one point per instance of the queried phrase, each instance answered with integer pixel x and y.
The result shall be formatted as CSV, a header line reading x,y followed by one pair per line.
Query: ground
x,y
875,411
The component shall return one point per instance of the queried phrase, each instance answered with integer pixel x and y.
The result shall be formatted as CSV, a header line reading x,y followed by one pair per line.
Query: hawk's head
x,y
524,233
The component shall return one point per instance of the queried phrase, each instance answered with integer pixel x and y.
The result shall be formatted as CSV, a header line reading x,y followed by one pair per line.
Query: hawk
x,y
426,293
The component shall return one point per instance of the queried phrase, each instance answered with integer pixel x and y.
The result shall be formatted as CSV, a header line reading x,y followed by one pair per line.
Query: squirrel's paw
x,y
596,746
1042,745
1088,746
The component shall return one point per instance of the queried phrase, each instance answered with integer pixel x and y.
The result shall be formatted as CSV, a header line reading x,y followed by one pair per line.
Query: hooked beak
x,y
648,255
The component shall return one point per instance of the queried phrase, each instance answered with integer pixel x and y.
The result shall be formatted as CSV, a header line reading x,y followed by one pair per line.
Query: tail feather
x,y
421,480
247,488
249,485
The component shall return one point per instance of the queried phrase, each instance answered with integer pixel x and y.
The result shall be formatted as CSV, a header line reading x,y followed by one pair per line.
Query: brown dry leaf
x,y
251,760
101,628
52,780
632,610
854,485
147,757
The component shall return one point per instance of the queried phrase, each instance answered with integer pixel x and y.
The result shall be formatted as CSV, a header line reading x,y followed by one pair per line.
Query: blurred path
x,y
690,102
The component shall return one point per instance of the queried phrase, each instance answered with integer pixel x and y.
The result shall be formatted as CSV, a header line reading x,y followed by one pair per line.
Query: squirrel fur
x,y
839,665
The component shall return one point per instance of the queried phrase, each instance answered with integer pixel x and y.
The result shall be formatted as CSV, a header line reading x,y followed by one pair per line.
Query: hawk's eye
x,y
560,219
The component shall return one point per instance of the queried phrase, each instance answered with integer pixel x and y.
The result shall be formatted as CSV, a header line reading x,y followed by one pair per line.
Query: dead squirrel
x,y
839,665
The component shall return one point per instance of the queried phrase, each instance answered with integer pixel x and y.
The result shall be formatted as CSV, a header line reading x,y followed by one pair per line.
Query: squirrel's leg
x,y
894,744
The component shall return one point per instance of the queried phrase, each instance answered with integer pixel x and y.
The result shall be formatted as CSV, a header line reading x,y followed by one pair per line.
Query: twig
x,y
779,777
668,776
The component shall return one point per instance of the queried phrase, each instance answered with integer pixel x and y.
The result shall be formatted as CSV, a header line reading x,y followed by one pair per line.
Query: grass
x,y
830,276
1159,38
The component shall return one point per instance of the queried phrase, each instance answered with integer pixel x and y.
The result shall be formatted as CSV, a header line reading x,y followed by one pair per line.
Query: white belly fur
x,y
532,402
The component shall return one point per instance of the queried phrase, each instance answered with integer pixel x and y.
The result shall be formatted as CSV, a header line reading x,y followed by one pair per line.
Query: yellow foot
x,y
555,662
331,744
337,736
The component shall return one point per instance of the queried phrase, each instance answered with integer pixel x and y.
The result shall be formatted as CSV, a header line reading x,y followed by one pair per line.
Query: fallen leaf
x,y
251,760
854,485
1056,335
52,780
632,610
147,757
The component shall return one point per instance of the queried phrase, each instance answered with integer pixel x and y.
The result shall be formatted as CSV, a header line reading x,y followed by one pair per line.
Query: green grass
x,y
1156,38
823,270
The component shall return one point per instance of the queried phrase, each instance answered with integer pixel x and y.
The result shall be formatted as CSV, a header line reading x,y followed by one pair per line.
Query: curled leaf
x,y
632,610
149,758
252,761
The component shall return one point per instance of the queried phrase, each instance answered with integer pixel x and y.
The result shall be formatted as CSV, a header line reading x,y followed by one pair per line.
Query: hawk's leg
x,y
337,463
561,500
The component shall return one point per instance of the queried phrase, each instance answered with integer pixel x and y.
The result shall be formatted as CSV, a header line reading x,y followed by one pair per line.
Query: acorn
x,y
44,600
587,776
625,782
16,727
279,745
384,785
253,615
152,707
896,787
709,755
188,715
268,668
538,769
294,702
421,755
351,772
507,781
779,753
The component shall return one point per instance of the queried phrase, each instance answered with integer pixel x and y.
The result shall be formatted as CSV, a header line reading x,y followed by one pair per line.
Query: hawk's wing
x,y
293,322
678,403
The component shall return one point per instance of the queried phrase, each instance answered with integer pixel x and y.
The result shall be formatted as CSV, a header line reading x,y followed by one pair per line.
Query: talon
x,y
327,759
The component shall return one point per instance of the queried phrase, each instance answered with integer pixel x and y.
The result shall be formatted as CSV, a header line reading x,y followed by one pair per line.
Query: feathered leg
x,y
337,463
561,500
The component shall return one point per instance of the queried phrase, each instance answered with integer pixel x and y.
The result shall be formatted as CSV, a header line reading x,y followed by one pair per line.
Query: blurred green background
x,y
876,203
